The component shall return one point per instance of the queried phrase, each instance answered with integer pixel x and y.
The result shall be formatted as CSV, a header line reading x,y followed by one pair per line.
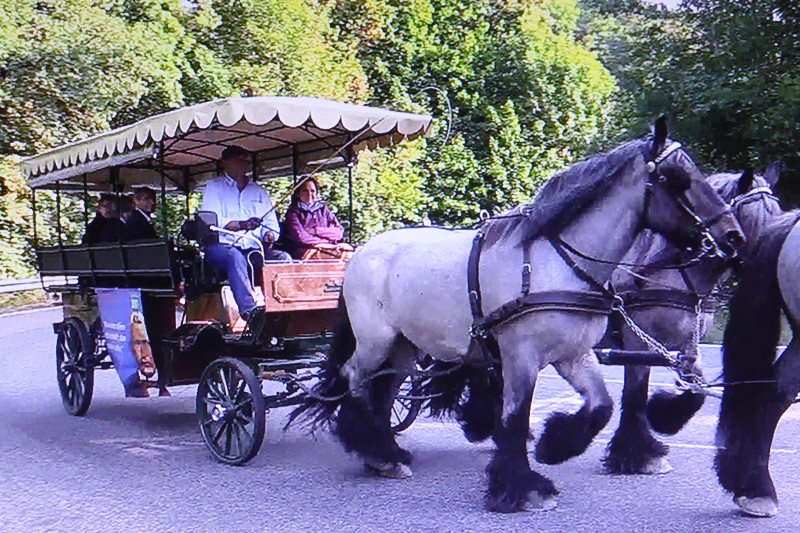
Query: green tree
x,y
527,97
726,71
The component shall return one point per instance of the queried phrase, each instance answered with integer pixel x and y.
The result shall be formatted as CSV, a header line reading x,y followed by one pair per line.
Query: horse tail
x,y
748,354
473,395
319,407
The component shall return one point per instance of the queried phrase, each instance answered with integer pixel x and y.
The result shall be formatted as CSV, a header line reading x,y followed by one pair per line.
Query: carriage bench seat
x,y
146,264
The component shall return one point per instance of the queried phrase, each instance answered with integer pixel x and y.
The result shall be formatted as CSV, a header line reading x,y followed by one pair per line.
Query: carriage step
x,y
613,356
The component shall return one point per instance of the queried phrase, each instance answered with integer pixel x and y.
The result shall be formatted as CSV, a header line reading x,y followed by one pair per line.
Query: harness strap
x,y
526,269
473,275
562,249
645,298
485,339
589,302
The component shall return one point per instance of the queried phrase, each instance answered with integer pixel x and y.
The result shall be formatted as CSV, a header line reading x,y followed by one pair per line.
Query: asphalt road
x,y
140,465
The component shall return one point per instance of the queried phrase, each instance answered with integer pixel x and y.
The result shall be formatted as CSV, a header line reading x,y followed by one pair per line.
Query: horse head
x,y
680,202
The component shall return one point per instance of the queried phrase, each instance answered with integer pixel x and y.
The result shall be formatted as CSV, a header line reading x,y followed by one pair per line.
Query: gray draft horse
x,y
760,387
409,292
663,303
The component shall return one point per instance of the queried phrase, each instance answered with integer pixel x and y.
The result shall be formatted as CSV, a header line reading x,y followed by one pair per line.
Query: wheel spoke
x,y
218,434
243,437
244,418
242,386
247,401
212,391
78,396
397,415
226,391
228,438
235,431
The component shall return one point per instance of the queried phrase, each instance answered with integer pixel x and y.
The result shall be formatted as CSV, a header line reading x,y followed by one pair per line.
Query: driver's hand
x,y
233,225
253,223
270,237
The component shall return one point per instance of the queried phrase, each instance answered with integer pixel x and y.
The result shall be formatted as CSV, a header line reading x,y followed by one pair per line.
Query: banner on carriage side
x,y
126,337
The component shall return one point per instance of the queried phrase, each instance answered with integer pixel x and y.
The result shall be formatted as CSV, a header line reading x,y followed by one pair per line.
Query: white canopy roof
x,y
286,135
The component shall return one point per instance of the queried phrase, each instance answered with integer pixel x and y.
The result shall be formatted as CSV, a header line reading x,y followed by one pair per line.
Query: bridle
x,y
708,245
753,195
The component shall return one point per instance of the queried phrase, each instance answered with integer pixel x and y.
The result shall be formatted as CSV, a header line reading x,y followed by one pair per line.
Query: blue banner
x,y
126,335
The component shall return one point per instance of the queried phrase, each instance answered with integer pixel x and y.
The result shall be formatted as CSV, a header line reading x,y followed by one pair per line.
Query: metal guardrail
x,y
30,284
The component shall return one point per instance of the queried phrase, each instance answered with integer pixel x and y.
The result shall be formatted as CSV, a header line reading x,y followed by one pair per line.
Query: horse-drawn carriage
x,y
154,310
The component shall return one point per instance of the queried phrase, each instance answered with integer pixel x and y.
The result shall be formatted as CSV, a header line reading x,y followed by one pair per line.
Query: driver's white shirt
x,y
222,196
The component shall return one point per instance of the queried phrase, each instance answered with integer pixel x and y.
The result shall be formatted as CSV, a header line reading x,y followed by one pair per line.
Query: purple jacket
x,y
304,228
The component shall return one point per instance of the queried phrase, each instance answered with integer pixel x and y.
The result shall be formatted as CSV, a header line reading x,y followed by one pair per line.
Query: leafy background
x,y
534,85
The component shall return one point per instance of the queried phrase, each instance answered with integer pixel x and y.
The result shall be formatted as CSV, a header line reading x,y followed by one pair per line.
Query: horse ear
x,y
773,173
745,181
660,132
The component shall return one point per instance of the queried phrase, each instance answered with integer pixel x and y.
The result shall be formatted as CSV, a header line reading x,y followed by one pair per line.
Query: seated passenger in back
x,y
114,229
310,224
104,221
139,225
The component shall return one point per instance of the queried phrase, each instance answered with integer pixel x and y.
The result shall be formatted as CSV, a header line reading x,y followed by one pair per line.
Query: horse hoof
x,y
389,470
541,503
657,467
759,507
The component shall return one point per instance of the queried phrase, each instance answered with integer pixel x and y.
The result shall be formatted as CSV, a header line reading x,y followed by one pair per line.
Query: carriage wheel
x,y
74,366
231,411
405,407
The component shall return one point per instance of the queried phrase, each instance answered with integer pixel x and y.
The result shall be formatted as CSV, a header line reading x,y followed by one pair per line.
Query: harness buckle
x,y
477,332
526,268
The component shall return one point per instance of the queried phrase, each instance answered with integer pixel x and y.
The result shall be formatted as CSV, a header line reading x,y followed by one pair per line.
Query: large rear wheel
x,y
231,411
75,366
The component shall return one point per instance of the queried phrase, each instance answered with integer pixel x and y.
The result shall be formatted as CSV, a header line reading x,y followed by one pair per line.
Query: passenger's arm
x,y
297,233
334,231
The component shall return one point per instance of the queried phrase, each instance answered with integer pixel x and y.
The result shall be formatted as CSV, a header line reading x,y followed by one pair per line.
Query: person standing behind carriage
x,y
242,206
138,225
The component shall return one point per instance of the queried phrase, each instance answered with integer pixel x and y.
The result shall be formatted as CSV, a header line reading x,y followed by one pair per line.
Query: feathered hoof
x,y
388,470
762,507
537,503
658,466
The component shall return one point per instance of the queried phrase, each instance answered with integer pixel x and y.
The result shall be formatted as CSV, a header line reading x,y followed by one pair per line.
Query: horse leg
x,y
668,411
633,449
363,421
749,416
568,435
511,479
382,393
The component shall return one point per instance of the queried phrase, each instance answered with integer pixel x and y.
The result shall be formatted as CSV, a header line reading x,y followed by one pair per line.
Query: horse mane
x,y
566,195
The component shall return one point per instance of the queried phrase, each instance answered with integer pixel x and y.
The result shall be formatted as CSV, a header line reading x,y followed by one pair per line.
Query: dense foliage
x,y
520,88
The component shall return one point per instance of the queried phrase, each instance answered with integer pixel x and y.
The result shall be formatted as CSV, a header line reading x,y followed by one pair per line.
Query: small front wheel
x,y
406,406
74,366
231,411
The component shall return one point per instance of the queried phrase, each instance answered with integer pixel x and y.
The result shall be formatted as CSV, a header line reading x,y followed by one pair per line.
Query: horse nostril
x,y
735,239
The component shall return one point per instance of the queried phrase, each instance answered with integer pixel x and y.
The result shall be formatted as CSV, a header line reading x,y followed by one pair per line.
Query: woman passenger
x,y
310,224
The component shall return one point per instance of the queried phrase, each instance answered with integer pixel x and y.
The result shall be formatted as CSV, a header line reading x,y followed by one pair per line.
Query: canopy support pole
x,y
58,213
351,162
162,173
85,205
35,231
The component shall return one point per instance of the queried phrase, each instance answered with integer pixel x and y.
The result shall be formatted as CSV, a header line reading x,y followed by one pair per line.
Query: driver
x,y
241,206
